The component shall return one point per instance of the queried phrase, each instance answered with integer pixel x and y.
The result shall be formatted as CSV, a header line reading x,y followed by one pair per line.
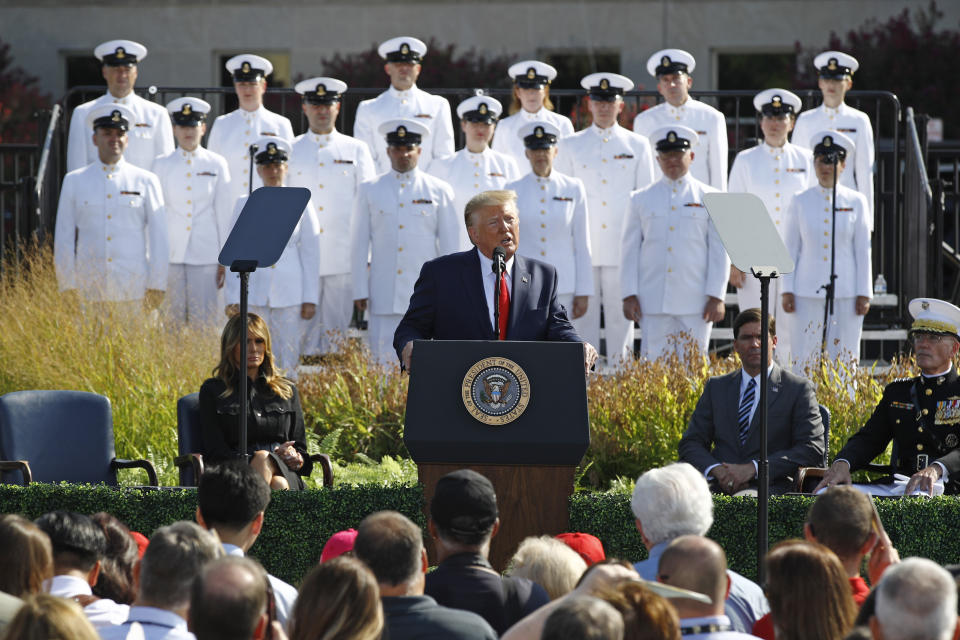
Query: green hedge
x,y
298,523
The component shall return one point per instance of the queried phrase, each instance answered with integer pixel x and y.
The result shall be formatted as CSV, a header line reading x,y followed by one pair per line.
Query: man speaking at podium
x,y
453,297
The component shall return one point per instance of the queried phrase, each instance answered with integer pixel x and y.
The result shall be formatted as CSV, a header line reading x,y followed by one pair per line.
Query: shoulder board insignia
x,y
129,193
563,199
343,162
623,156
422,201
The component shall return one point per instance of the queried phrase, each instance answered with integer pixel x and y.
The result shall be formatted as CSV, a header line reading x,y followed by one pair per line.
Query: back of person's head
x,y
672,501
228,600
646,615
916,600
697,564
230,495
115,580
808,591
464,507
841,519
27,556
174,558
78,543
548,562
339,600
585,618
391,545
46,617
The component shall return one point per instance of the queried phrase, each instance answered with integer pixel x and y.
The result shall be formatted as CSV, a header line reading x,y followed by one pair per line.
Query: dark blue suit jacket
x,y
448,303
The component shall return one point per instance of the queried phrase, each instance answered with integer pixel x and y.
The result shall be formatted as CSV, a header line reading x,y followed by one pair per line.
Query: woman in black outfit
x,y
276,441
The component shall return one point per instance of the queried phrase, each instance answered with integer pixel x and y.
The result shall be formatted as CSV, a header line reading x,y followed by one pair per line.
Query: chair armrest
x,y
18,465
152,480
194,460
324,461
808,473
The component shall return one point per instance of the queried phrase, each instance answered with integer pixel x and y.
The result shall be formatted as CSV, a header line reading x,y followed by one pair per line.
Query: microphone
x,y
499,260
253,150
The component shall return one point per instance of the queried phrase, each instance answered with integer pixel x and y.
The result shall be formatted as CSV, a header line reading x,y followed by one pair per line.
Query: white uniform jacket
x,y
773,174
293,279
429,110
400,221
507,141
854,124
555,228
332,166
151,135
110,240
612,163
231,136
471,173
808,240
710,154
672,257
196,192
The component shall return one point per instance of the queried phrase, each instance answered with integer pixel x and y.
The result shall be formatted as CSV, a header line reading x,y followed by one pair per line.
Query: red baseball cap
x,y
589,547
339,543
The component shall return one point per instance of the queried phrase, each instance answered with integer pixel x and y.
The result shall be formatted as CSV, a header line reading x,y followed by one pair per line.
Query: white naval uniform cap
x,y
828,141
835,64
670,61
271,149
539,135
674,137
248,67
934,316
321,90
117,53
531,74
777,101
480,109
606,86
188,111
403,131
115,116
403,49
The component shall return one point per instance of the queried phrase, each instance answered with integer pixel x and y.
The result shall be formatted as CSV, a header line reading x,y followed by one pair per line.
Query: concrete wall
x,y
185,39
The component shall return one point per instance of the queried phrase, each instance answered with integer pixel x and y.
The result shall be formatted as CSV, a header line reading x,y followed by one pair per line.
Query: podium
x,y
515,412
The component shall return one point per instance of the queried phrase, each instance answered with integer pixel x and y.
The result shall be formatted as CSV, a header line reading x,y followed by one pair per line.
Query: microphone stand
x,y
830,287
253,152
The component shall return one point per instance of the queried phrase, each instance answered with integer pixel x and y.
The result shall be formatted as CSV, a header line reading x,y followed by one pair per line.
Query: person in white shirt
x,y
836,71
196,192
672,69
530,103
232,133
476,168
828,237
404,99
150,132
674,268
612,162
554,218
773,170
285,293
110,238
332,165
402,219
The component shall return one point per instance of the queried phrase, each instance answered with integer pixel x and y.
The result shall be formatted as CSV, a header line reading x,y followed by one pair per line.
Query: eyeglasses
x,y
932,338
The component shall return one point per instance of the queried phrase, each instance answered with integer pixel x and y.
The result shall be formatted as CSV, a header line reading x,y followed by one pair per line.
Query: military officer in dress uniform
x,y
404,100
920,414
773,170
674,269
554,219
110,240
612,162
672,69
476,167
531,103
150,134
332,165
836,71
401,219
810,234
196,192
285,293
232,133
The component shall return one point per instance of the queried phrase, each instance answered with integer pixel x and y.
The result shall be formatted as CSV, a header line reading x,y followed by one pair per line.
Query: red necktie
x,y
504,303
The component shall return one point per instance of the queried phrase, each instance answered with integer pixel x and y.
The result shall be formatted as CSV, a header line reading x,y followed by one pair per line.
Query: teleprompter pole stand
x,y
764,274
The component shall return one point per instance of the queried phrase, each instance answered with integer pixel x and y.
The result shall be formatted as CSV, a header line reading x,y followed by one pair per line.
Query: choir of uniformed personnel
x,y
628,232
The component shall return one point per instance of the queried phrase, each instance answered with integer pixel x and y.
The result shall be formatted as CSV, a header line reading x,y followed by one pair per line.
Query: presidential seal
x,y
496,391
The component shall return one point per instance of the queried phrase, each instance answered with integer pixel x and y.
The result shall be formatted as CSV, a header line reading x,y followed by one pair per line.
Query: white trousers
x,y
285,326
192,296
333,314
381,329
656,328
617,330
748,297
843,331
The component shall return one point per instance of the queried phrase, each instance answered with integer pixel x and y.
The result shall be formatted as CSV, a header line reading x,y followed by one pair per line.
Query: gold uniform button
x,y
109,217
776,195
603,182
827,209
321,186
189,188
542,212
542,188
188,228
401,205
826,246
109,238
189,215
543,253
778,209
603,226
669,270
898,420
401,226
321,164
109,196
824,259
543,200
919,429
925,411
399,271
671,228
321,229
543,225
603,203
399,249
320,208
919,447
929,392
189,202
476,186
826,220
476,175
109,259
244,184
776,182
673,208
188,174
826,234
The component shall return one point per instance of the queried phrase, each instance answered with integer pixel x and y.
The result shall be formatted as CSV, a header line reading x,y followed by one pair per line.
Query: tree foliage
x,y
20,100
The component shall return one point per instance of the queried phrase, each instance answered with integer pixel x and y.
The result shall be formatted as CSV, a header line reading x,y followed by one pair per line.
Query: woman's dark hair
x,y
116,567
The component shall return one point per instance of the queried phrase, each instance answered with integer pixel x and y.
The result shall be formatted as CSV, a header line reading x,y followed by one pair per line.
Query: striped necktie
x,y
746,404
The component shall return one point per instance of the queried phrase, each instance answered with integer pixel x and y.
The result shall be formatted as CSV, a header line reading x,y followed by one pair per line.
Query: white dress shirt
x,y
710,153
196,192
429,110
110,239
490,281
150,135
284,594
507,141
155,624
101,613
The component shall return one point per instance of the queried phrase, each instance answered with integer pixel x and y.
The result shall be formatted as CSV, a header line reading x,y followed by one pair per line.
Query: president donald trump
x,y
453,297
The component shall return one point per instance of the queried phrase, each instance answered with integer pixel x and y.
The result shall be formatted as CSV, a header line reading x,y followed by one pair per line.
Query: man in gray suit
x,y
723,437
